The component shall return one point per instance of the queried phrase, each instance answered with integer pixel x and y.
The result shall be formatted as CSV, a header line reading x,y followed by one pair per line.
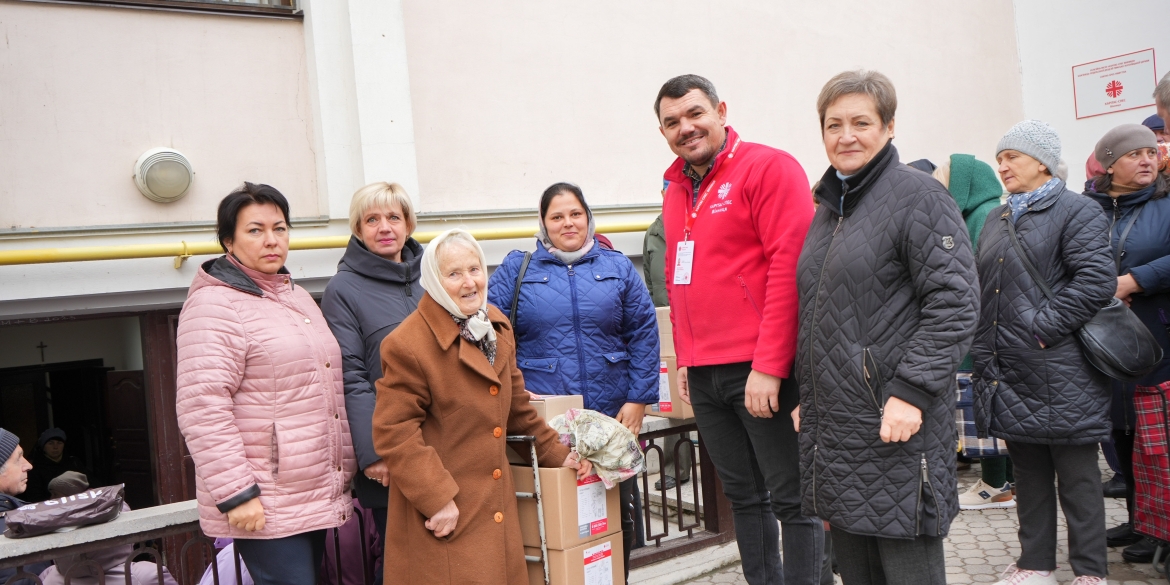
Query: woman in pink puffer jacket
x,y
260,400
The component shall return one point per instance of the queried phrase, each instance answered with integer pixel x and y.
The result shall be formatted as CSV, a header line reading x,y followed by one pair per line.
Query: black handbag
x,y
1115,340
516,291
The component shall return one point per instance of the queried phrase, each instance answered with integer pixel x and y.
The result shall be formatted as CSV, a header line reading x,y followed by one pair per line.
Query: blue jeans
x,y
758,462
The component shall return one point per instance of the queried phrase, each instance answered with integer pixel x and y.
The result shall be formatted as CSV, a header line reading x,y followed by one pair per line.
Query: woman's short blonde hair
x,y
871,83
381,195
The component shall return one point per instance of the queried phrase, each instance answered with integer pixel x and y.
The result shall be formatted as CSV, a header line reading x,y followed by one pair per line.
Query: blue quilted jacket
x,y
585,329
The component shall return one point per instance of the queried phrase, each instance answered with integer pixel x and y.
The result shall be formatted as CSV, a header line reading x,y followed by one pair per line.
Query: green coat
x,y
654,262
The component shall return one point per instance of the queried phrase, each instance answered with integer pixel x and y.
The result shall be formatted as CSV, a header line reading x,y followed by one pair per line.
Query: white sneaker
x,y
1087,580
1016,576
982,496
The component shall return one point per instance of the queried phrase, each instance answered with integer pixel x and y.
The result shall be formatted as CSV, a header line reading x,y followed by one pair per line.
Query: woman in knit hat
x,y
1133,195
1033,386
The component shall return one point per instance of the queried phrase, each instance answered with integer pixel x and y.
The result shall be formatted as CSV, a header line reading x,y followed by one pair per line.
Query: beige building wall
x,y
511,96
86,90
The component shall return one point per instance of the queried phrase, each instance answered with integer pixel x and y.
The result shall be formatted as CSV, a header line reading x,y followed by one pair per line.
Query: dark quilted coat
x,y
888,304
1147,258
367,298
1024,392
586,329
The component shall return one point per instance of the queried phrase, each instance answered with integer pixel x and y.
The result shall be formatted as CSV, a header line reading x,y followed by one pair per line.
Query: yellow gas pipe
x,y
183,250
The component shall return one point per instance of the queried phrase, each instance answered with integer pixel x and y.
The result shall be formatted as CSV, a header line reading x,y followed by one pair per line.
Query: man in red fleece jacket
x,y
735,215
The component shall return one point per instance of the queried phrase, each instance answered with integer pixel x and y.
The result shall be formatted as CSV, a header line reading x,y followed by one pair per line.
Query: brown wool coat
x,y
440,423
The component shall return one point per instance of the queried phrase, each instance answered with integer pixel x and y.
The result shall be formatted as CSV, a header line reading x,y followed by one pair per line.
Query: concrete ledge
x,y
173,518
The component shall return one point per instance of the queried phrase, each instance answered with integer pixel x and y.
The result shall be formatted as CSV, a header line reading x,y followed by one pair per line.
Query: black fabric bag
x,y
1115,340
93,506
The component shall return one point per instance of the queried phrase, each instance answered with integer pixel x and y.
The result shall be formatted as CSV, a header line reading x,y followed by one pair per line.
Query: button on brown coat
x,y
438,426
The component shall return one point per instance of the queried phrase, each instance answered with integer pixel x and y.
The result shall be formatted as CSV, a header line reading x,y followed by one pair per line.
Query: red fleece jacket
x,y
741,304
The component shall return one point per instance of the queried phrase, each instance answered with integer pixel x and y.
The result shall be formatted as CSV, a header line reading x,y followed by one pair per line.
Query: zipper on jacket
x,y
918,509
274,456
748,295
866,361
926,481
577,329
816,448
816,303
409,292
812,321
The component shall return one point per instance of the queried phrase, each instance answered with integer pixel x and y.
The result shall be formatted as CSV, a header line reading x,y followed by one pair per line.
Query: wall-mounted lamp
x,y
163,174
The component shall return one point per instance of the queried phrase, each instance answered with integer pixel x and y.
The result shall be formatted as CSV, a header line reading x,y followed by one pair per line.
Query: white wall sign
x,y
1116,84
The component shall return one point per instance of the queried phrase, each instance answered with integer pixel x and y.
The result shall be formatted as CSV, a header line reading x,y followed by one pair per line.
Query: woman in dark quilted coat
x,y
584,320
1133,194
888,303
1033,386
376,287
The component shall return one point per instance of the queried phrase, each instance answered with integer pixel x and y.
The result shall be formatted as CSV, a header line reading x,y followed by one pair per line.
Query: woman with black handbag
x,y
1133,194
1045,270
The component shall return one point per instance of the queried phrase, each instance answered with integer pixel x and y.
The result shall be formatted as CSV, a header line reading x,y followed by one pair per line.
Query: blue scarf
x,y
1021,202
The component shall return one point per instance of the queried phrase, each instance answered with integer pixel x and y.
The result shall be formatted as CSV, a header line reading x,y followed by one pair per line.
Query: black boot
x,y
1115,487
1122,535
1142,552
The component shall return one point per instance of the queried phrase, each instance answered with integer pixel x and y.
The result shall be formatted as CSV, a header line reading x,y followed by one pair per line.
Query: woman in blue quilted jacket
x,y
584,321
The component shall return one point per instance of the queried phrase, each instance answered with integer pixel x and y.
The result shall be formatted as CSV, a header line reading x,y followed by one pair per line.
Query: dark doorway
x,y
129,438
103,414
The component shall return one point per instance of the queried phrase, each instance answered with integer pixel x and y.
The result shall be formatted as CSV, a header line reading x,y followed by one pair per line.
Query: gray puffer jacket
x,y
367,298
888,305
1024,392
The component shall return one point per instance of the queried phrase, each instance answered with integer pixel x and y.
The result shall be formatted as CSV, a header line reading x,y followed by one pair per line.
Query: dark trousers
x,y
1038,468
872,560
757,460
629,536
380,524
292,560
1123,447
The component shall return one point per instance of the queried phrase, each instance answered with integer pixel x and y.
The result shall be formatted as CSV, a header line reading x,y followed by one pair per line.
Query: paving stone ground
x,y
982,543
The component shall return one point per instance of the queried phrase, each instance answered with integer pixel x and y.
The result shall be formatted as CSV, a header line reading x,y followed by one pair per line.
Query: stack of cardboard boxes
x,y
583,530
669,405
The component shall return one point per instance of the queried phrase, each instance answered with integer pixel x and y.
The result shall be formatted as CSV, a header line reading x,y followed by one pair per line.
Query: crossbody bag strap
x,y
1043,284
516,291
1120,251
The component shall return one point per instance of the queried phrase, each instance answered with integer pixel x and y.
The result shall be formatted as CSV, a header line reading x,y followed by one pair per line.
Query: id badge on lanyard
x,y
684,258
683,261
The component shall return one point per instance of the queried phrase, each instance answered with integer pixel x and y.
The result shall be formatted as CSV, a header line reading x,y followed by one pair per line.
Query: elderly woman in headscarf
x,y
450,395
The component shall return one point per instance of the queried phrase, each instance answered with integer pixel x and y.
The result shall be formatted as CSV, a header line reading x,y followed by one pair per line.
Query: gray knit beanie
x,y
1035,139
1122,139
8,443
69,483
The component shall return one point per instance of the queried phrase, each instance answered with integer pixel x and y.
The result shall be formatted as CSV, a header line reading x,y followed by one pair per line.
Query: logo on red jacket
x,y
724,189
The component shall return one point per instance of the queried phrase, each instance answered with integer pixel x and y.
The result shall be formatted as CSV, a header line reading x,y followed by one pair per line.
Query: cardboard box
x,y
597,562
546,407
550,406
575,511
670,404
665,332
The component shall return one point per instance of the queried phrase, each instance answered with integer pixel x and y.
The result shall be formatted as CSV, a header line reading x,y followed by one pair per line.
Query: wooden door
x,y
128,438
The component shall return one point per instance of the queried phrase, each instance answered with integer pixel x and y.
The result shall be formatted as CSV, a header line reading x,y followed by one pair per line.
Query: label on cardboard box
x,y
591,512
664,403
599,564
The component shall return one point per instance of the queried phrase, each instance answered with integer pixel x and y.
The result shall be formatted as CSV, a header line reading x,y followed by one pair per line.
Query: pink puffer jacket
x,y
260,403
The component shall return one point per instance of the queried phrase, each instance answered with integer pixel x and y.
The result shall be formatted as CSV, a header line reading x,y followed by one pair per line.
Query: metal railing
x,y
183,250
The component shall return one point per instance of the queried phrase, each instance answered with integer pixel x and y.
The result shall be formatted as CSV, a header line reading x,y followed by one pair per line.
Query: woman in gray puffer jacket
x,y
376,287
1033,386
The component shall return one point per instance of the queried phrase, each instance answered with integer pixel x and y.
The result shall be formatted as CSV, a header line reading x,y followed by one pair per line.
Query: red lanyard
x,y
695,212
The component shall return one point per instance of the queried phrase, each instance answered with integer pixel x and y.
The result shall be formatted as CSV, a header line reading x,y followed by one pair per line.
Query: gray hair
x,y
676,87
870,83
1162,92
